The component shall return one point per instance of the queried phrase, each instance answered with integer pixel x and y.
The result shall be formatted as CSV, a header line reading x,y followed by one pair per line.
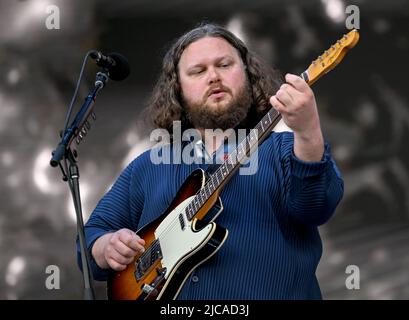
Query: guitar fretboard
x,y
244,149
319,67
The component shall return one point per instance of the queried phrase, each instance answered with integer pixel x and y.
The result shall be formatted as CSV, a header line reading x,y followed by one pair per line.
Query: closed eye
x,y
196,71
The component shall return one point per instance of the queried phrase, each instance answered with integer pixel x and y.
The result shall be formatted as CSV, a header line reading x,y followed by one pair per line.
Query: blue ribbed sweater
x,y
273,247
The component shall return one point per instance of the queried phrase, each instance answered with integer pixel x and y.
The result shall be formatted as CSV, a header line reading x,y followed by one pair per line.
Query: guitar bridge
x,y
139,272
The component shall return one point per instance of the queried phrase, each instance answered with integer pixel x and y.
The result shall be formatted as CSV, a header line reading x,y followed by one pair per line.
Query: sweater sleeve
x,y
119,208
312,189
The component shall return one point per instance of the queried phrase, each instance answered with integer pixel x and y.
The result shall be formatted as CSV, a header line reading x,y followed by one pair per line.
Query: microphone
x,y
116,64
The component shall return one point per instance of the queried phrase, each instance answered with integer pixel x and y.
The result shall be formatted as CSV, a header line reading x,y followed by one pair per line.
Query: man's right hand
x,y
117,250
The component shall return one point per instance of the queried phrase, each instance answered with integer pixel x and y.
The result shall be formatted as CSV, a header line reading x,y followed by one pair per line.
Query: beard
x,y
222,114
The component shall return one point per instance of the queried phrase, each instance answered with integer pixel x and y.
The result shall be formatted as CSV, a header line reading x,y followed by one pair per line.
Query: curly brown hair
x,y
165,105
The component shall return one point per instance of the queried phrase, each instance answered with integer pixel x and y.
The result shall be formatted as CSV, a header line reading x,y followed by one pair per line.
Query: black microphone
x,y
116,64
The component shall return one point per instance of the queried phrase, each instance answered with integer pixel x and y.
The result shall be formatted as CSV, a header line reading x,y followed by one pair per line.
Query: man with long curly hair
x,y
210,80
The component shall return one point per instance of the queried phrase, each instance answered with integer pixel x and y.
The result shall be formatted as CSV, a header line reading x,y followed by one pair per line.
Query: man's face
x,y
215,90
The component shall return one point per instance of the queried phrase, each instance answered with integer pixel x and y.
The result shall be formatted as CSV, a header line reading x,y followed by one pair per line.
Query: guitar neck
x,y
232,163
323,64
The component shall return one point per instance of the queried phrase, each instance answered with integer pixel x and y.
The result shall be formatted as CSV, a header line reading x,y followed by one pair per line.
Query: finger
x,y
126,251
129,235
126,236
284,97
277,104
119,258
297,82
132,241
140,240
293,92
115,265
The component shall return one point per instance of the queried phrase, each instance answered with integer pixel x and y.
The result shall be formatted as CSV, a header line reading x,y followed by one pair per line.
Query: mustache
x,y
216,88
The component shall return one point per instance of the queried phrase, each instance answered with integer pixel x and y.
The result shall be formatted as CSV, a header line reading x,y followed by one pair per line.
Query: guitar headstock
x,y
331,57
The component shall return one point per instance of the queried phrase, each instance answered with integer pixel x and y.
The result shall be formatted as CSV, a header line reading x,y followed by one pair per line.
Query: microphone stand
x,y
66,153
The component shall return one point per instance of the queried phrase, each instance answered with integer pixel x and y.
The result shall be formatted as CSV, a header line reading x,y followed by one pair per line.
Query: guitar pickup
x,y
182,222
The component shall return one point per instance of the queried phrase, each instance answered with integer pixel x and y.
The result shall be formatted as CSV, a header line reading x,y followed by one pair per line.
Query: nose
x,y
213,76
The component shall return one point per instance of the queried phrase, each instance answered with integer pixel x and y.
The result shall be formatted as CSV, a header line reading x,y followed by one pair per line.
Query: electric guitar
x,y
179,241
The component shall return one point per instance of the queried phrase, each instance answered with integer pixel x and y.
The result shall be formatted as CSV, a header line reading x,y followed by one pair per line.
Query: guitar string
x,y
275,117
175,222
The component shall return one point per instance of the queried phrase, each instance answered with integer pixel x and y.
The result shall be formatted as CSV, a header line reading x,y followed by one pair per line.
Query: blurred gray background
x,y
363,104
